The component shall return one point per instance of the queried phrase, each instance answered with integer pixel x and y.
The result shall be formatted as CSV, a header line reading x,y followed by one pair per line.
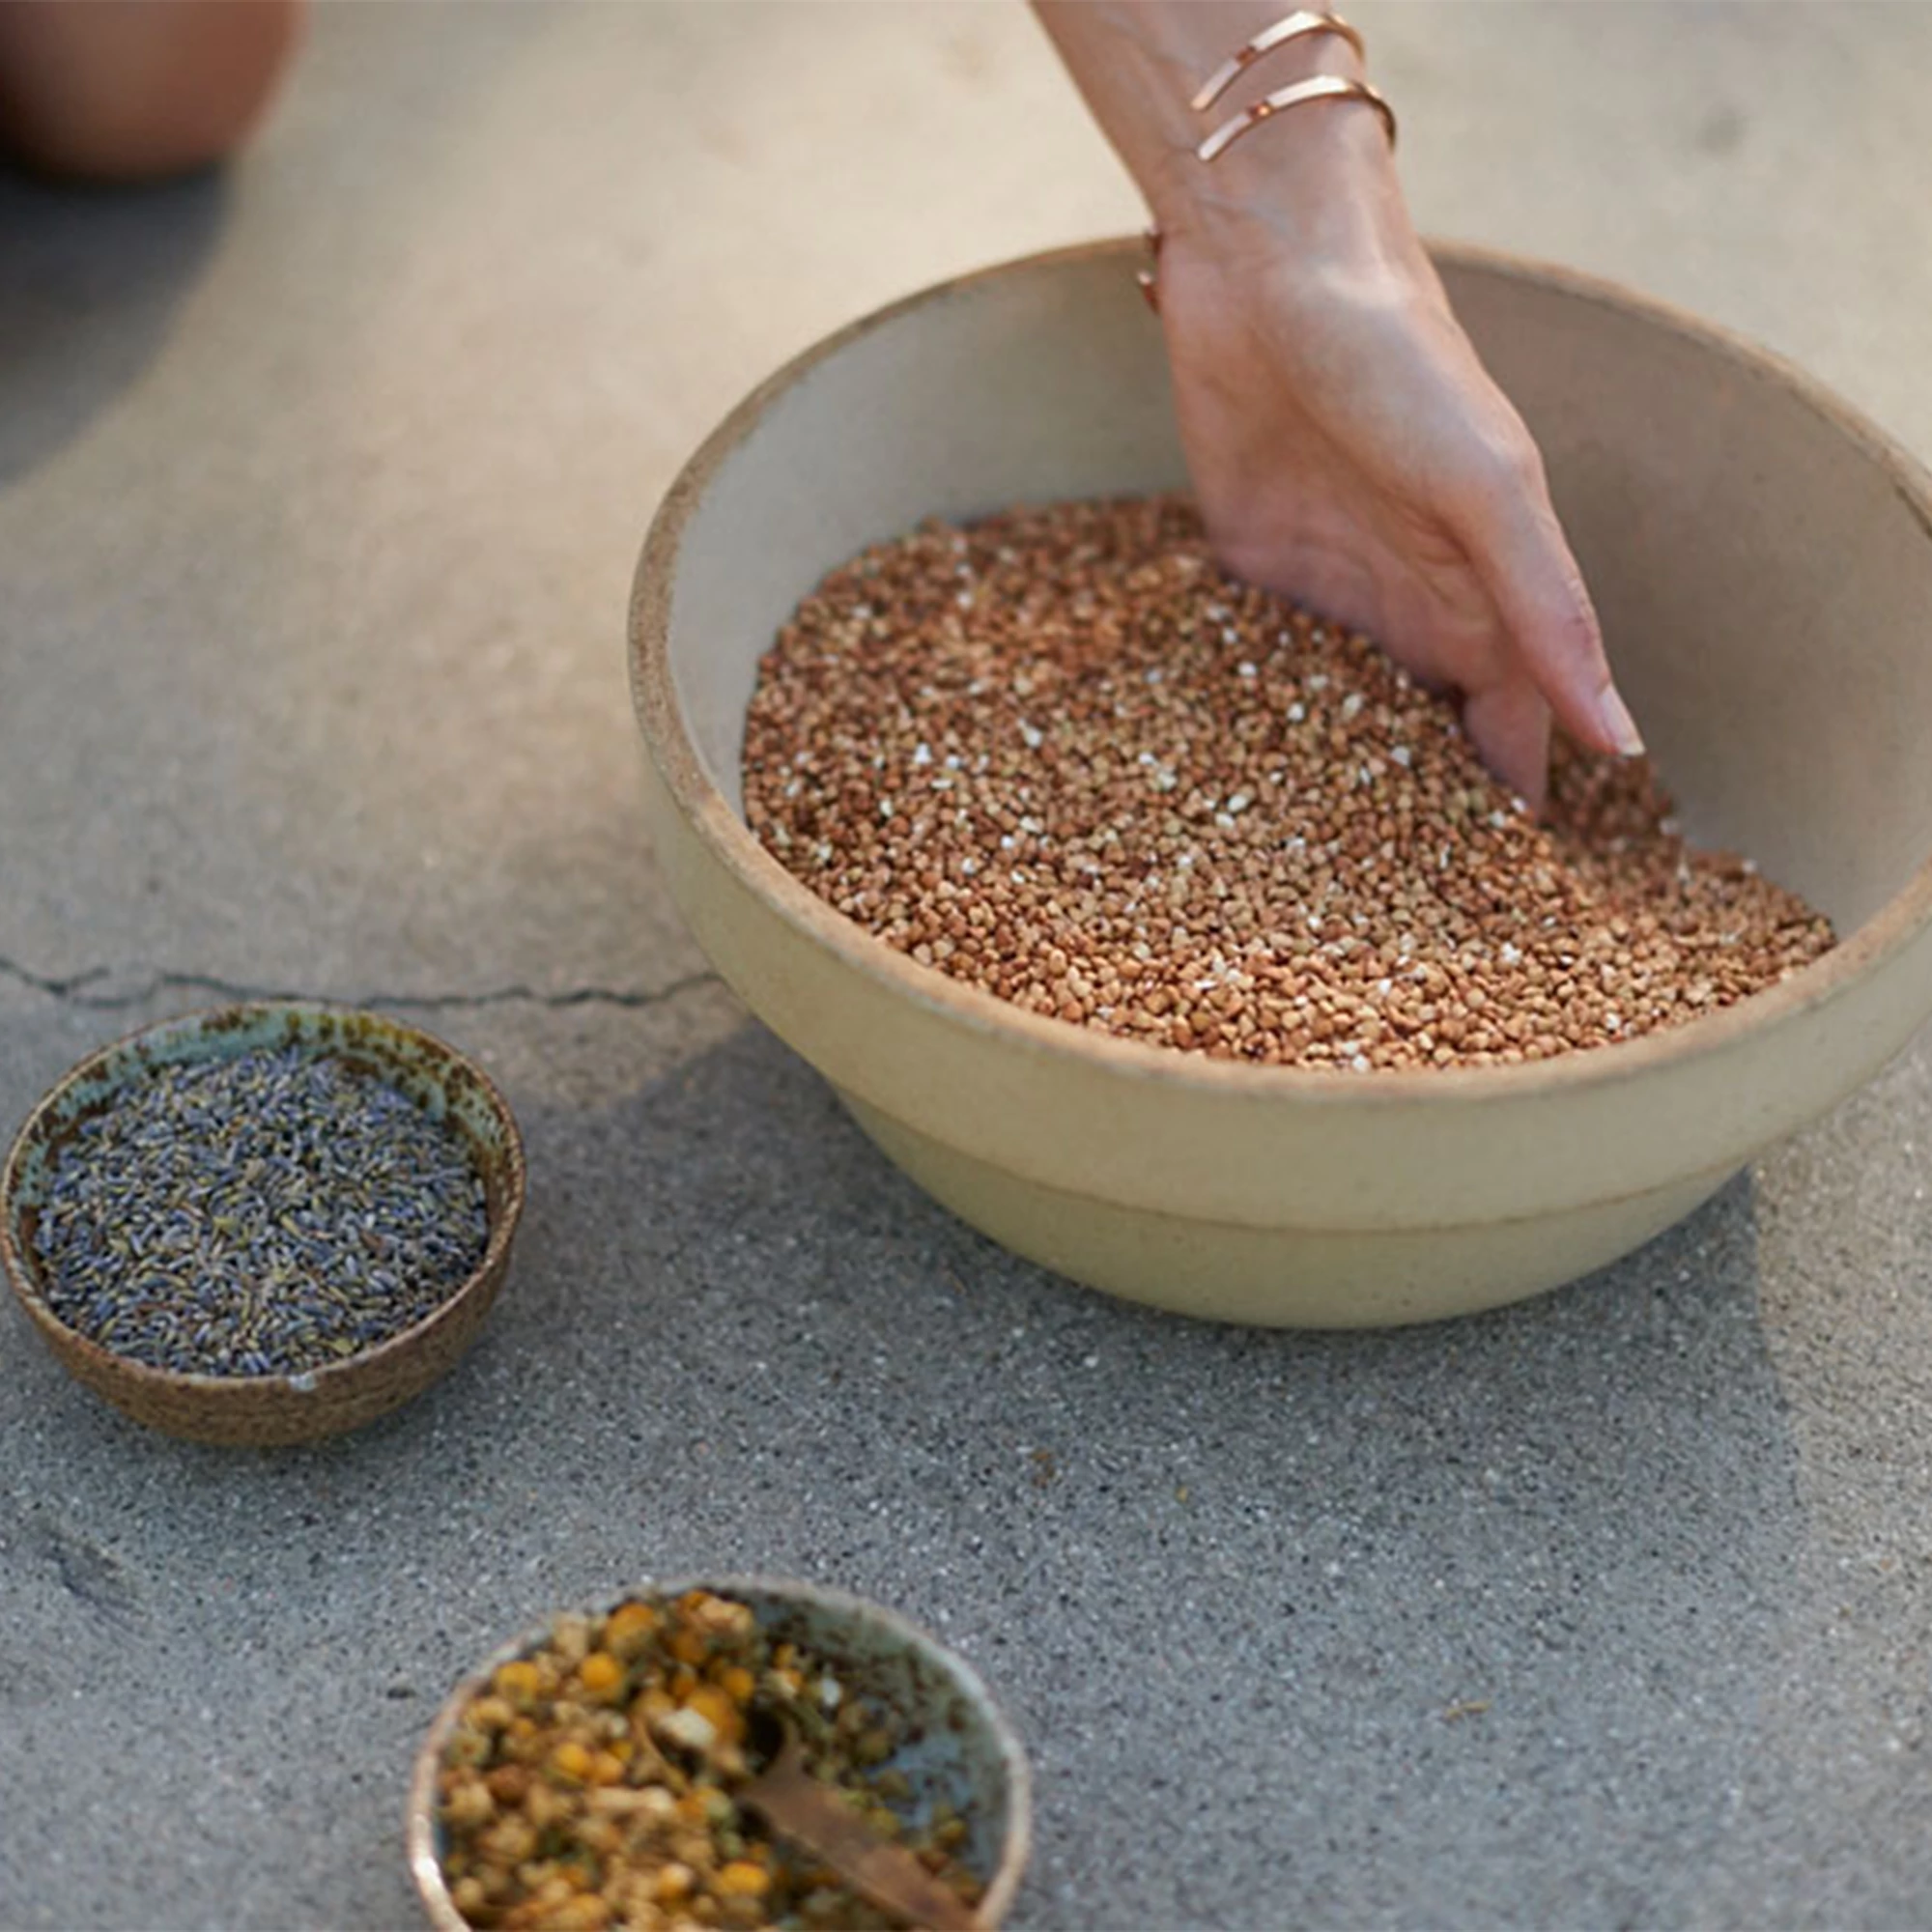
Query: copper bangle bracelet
x,y
1293,28
1318,87
1148,279
1322,86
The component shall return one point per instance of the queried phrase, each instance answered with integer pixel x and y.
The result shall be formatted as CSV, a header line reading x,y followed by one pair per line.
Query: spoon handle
x,y
796,1805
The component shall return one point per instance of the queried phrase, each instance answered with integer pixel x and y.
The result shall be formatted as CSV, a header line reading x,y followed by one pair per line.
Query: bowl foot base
x,y
1280,1277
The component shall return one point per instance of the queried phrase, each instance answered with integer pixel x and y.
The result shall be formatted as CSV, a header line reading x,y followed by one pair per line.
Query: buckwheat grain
x,y
1060,755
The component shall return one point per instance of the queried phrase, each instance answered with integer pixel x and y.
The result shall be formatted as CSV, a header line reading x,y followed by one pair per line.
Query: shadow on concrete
x,y
1506,1582
1430,1626
90,281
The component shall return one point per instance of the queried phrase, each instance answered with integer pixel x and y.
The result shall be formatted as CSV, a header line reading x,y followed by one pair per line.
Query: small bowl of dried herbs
x,y
724,1751
266,1223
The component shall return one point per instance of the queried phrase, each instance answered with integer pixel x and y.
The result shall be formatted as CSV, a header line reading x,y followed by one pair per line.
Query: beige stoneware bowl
x,y
1762,561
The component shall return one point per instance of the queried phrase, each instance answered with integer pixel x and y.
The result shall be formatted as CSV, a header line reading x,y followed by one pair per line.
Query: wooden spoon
x,y
799,1808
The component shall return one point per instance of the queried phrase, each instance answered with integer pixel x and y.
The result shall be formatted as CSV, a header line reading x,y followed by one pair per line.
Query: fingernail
x,y
1619,727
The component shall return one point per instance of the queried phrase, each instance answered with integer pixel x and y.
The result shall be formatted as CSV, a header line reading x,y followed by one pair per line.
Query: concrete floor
x,y
320,491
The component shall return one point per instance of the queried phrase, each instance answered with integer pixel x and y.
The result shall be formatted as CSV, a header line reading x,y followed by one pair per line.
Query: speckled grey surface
x,y
319,489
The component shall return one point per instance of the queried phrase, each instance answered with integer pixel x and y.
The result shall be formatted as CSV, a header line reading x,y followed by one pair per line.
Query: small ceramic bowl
x,y
264,1410
958,1746
1762,562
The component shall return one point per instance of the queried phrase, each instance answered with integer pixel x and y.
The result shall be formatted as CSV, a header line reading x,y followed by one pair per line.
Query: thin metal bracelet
x,y
1319,87
1322,86
1293,28
1148,279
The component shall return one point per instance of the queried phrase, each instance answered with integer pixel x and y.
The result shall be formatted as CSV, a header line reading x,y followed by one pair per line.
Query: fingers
x,y
1520,550
1509,725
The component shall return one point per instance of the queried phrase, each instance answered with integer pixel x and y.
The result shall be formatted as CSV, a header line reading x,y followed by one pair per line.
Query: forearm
x,y
1320,179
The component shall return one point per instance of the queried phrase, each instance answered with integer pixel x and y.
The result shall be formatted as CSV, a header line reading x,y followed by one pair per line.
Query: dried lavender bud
x,y
264,1215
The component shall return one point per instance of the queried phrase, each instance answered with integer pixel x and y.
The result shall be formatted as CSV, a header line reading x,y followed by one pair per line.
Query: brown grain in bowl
x,y
1060,755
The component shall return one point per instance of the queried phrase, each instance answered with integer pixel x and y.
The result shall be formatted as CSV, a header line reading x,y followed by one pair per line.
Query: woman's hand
x,y
1347,446
1349,450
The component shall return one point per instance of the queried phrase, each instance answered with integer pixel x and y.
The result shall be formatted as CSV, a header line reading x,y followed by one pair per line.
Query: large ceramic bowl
x,y
1762,561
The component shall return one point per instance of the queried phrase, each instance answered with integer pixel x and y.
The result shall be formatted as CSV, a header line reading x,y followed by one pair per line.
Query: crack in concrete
x,y
73,991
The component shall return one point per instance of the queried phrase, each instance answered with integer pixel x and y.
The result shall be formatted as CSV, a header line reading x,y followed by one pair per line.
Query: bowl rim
x,y
730,842
205,1022
1015,1845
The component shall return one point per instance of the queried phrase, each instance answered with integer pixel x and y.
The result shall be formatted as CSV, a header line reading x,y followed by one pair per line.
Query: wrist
x,y
1318,179
1162,76
1314,173
1252,274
